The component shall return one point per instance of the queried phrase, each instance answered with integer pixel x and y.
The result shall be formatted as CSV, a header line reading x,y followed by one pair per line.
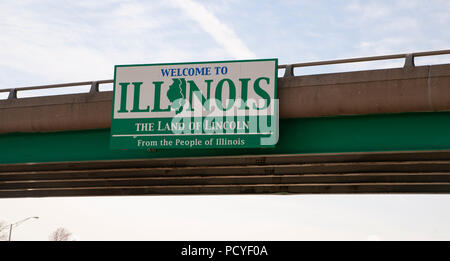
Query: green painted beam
x,y
392,132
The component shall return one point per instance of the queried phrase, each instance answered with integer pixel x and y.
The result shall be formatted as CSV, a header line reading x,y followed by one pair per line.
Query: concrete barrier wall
x,y
386,91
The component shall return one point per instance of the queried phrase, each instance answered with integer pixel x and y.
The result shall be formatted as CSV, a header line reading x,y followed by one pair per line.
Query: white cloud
x,y
81,41
369,11
222,34
48,47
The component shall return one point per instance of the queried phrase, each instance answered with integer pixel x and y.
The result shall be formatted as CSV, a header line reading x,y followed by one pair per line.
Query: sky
x,y
49,42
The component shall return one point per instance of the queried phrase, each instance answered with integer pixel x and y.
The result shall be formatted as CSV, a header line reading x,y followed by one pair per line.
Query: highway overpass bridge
x,y
373,131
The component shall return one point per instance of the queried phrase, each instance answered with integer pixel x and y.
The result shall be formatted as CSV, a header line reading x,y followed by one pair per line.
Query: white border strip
x,y
194,134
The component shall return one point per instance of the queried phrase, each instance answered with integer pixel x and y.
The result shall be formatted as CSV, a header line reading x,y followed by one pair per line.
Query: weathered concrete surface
x,y
419,89
379,172
56,113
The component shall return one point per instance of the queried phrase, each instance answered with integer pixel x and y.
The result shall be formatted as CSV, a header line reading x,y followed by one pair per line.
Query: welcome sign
x,y
227,104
